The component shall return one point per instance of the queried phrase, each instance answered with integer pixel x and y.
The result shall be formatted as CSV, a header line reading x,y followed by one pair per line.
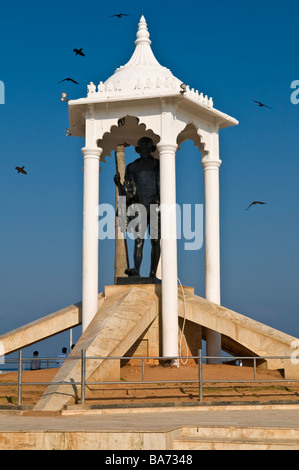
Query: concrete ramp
x,y
241,335
120,321
44,328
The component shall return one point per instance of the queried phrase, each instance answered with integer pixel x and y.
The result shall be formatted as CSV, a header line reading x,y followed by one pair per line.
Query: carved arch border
x,y
125,130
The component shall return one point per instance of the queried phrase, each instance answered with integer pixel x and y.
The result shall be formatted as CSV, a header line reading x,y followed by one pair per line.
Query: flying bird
x,y
119,15
255,202
68,132
79,52
21,170
63,97
261,104
69,80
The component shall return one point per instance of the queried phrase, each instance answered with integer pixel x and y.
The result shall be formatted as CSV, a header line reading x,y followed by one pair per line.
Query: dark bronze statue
x,y
142,187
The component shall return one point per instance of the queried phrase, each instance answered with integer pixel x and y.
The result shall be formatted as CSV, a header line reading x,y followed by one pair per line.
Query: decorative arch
x,y
191,132
128,131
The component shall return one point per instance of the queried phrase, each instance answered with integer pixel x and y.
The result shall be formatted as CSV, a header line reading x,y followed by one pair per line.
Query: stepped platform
x,y
193,428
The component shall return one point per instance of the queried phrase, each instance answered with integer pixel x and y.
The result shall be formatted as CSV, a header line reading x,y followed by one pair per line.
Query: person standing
x,y
35,363
61,357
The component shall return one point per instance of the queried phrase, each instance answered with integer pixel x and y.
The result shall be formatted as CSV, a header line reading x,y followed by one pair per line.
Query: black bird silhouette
x,y
69,80
79,51
21,170
119,15
255,202
261,104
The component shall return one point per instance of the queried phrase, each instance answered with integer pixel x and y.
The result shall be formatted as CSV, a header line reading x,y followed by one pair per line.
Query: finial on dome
x,y
142,33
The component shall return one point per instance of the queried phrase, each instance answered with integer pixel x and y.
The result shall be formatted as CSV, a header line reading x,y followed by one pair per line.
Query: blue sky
x,y
233,51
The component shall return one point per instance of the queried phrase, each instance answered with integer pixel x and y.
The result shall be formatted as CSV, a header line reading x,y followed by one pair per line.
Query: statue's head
x,y
145,146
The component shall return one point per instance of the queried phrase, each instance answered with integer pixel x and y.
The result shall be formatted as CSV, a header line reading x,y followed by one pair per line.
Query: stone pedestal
x,y
150,342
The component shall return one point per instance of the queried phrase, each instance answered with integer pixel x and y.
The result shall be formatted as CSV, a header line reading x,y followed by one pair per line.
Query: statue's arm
x,y
130,184
121,187
128,188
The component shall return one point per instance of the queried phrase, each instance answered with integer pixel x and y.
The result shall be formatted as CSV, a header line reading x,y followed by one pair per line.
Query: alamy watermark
x,y
295,94
2,93
165,221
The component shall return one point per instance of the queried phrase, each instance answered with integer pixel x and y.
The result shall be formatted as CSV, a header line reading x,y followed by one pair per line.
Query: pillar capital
x,y
166,147
92,152
211,163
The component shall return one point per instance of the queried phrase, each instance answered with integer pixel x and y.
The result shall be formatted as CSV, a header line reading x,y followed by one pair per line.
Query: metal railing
x,y
200,381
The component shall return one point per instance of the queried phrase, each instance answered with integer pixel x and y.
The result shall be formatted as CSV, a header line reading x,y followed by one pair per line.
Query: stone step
x,y
201,443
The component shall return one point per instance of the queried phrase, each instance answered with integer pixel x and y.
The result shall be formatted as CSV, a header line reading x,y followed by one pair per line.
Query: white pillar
x,y
168,249
212,247
90,236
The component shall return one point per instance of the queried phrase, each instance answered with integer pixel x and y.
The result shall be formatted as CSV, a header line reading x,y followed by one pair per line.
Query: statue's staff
x,y
123,216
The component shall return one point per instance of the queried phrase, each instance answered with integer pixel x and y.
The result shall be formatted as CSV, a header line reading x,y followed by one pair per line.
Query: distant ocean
x,y
12,366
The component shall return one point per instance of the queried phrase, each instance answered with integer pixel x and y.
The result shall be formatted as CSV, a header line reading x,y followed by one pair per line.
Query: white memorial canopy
x,y
143,98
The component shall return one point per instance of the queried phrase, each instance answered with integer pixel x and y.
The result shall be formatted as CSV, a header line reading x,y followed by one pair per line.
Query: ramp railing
x,y
199,358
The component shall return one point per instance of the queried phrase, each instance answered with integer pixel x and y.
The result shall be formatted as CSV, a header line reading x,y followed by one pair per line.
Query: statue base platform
x,y
130,280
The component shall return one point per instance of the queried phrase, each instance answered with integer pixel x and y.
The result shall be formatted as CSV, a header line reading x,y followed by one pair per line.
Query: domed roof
x,y
143,77
143,71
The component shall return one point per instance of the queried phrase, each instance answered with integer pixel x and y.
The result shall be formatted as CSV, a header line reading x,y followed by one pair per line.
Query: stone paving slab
x,y
153,420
